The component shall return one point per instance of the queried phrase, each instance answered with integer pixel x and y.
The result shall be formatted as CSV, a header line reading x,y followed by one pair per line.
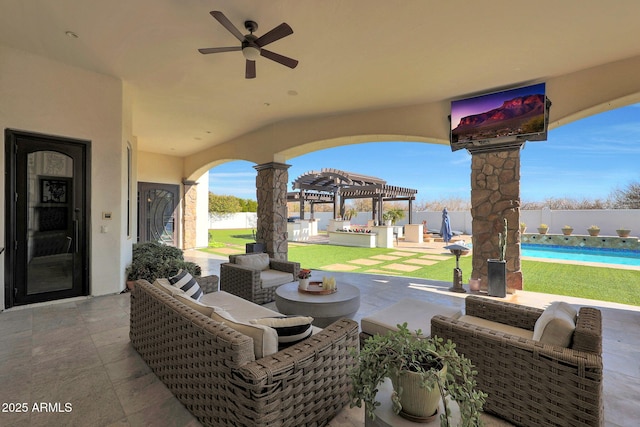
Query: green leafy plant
x,y
393,215
350,214
153,260
594,227
388,355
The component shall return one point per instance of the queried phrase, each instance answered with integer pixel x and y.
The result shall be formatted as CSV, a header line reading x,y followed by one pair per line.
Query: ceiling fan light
x,y
251,53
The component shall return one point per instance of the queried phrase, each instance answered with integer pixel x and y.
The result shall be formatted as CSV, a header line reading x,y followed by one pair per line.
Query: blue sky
x,y
586,159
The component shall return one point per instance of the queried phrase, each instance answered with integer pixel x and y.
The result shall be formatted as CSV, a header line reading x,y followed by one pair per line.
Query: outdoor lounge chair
x,y
255,277
528,382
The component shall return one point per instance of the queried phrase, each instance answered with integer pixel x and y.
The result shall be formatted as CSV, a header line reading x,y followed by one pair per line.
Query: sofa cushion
x,y
165,286
556,324
265,339
254,261
272,278
185,281
241,309
496,326
196,305
290,329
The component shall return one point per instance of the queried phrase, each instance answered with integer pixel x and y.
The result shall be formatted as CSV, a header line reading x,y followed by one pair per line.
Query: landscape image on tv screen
x,y
499,116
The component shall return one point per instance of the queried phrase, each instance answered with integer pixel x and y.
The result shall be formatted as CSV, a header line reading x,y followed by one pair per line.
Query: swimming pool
x,y
572,253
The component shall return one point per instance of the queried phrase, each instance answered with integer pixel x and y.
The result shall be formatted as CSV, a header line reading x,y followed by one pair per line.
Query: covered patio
x,y
47,364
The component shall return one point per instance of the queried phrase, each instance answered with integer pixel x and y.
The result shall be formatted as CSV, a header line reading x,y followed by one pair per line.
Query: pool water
x,y
607,256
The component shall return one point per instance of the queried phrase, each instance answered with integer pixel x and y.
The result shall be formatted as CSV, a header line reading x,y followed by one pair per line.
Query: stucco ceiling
x,y
354,55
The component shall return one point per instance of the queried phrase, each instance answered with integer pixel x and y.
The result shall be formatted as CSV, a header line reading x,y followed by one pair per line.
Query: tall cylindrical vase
x,y
497,278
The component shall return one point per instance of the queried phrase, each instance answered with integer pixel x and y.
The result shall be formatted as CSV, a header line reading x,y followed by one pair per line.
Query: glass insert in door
x,y
50,222
160,216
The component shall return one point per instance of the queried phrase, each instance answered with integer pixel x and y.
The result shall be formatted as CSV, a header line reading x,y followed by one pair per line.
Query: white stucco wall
x,y
202,218
44,96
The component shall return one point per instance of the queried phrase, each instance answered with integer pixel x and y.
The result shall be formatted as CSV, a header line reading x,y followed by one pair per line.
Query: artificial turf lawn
x,y
598,283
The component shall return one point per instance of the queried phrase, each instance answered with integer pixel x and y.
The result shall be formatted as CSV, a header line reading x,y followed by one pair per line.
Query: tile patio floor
x,y
78,352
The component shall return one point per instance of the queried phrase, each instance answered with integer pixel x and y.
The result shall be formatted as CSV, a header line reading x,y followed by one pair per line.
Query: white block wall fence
x,y
607,219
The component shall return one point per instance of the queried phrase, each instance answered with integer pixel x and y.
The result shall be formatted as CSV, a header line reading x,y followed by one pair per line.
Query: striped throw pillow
x,y
185,281
290,329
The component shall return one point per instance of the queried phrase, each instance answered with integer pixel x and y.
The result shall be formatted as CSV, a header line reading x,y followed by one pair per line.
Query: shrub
x,y
153,260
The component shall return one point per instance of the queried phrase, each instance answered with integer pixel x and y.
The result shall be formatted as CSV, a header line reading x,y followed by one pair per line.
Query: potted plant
x,y
543,228
303,278
623,232
567,230
350,214
152,260
393,215
594,230
523,227
438,370
497,268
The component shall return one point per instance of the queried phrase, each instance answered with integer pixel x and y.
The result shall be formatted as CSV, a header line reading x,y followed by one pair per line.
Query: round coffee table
x,y
325,309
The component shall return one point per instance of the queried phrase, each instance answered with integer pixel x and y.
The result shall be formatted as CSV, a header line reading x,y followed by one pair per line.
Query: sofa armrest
x,y
588,334
239,280
208,284
516,315
287,266
305,383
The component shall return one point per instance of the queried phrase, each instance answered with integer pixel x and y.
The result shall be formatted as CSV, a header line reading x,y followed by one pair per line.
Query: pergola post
x,y
410,211
301,204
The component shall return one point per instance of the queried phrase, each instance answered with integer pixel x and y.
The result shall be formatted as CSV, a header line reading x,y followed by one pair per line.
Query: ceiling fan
x,y
252,46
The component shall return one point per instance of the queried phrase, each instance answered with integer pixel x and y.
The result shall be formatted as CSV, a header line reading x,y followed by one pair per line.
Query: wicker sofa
x,y
530,383
211,368
255,277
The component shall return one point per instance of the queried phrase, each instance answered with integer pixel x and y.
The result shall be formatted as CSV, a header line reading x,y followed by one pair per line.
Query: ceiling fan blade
x,y
250,72
284,60
219,16
282,30
219,49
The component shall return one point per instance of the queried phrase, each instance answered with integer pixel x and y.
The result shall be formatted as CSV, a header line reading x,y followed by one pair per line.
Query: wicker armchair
x,y
529,383
247,282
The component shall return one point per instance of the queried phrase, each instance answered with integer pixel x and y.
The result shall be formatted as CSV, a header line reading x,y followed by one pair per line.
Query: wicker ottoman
x,y
417,314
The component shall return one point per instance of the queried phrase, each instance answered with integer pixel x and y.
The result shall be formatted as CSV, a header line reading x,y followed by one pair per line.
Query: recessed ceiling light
x,y
71,34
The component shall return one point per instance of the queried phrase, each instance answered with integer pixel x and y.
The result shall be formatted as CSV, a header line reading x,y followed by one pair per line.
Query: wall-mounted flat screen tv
x,y
500,120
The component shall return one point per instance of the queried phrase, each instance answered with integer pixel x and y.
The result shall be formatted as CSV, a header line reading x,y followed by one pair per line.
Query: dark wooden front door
x,y
157,204
47,199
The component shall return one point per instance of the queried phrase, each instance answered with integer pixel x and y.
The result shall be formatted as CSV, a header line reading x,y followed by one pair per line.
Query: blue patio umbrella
x,y
445,228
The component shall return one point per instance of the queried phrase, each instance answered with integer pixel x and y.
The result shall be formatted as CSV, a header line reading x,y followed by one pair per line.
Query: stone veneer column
x,y
271,191
189,217
495,194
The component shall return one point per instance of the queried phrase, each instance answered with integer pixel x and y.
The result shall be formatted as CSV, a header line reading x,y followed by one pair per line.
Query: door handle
x,y
75,236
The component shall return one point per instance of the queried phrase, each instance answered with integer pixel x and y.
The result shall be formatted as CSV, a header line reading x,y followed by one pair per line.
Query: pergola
x,y
335,186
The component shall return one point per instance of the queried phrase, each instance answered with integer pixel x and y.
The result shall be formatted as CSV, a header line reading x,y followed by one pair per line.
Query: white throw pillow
x,y
254,261
556,325
185,281
265,339
166,286
196,305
